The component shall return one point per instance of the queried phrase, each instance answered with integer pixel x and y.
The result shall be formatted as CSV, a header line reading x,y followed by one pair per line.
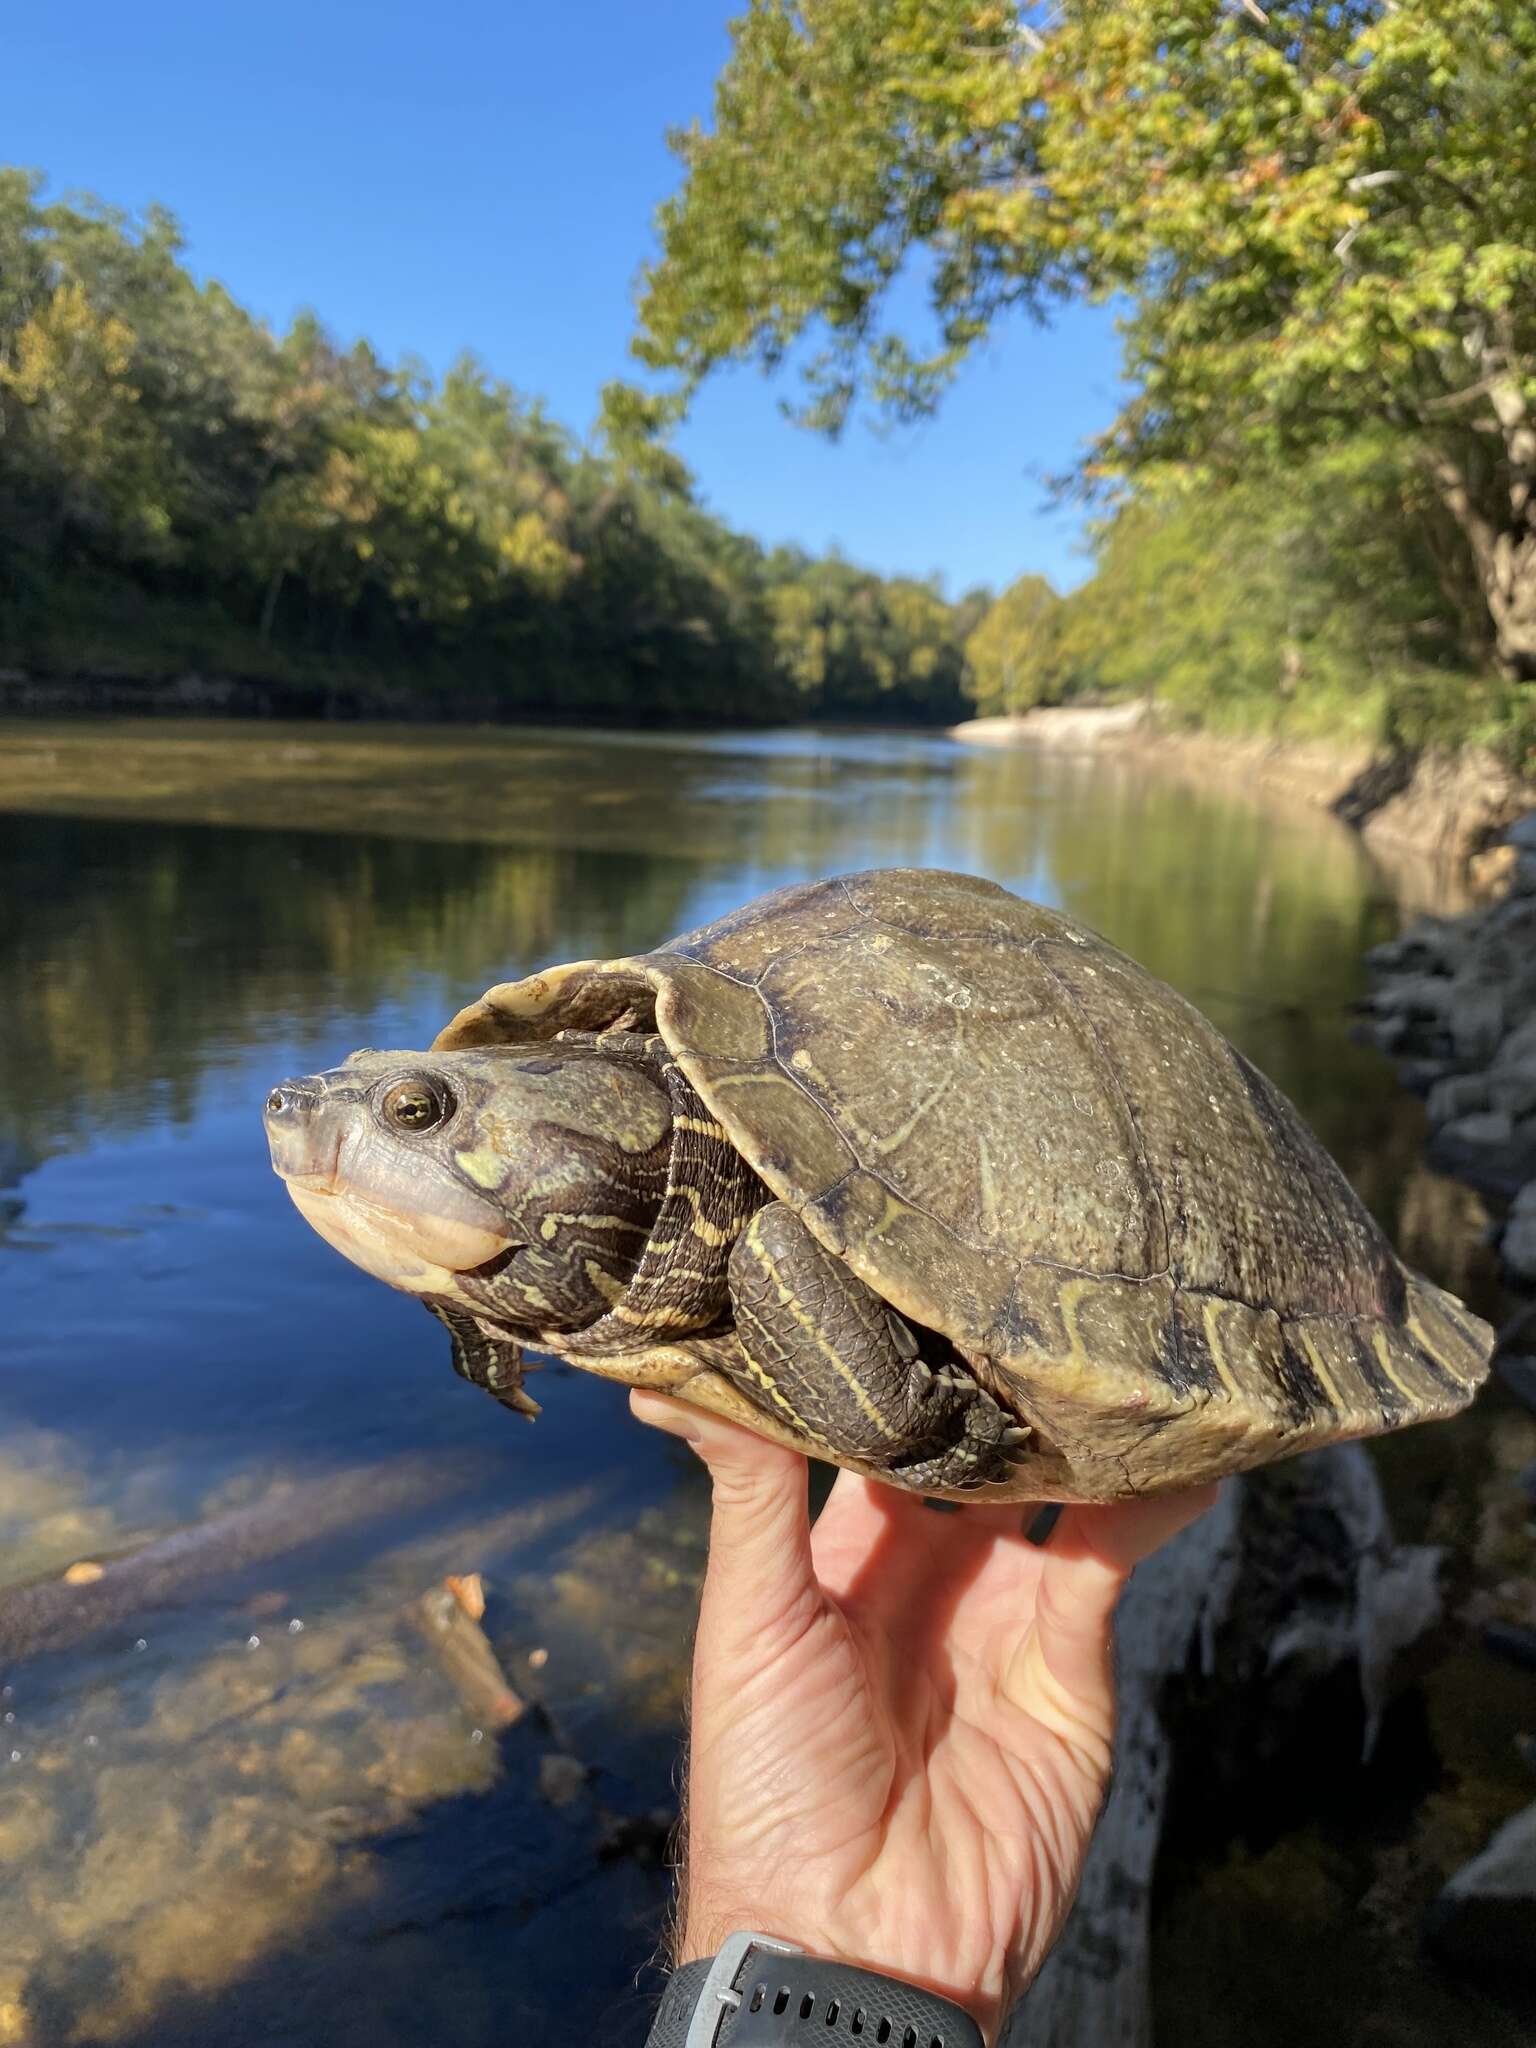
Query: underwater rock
x,y
1484,1917
562,1778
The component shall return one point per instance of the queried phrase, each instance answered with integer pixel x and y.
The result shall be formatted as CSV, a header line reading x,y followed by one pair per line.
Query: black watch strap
x,y
761,1993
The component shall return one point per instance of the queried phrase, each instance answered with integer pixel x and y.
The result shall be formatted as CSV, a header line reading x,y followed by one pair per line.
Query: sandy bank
x,y
1072,727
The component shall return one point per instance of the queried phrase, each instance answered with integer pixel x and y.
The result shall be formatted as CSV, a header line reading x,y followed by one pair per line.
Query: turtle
x,y
897,1168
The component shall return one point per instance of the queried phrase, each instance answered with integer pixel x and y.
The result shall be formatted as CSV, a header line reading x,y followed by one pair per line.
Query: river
x,y
255,1808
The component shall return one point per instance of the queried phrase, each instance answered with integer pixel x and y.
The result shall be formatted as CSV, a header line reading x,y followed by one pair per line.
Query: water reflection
x,y
304,1828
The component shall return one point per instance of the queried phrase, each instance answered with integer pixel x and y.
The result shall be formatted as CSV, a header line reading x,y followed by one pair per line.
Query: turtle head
x,y
520,1181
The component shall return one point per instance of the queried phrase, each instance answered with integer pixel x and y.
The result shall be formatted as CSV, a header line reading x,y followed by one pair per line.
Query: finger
x,y
1062,1670
1125,1532
760,1570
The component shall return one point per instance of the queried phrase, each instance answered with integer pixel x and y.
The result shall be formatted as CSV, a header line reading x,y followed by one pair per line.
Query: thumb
x,y
760,1574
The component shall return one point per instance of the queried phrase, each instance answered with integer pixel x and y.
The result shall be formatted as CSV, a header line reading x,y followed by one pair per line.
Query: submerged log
x,y
449,1616
53,1613
1291,1584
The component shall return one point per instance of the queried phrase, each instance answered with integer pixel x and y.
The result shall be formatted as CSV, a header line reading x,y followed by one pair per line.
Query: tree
x,y
1320,610
1014,651
1322,217
178,485
70,379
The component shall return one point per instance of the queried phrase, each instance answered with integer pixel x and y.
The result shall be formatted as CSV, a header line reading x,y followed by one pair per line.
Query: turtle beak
x,y
305,1141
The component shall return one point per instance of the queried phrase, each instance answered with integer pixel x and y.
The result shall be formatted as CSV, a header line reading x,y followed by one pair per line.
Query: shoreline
x,y
352,701
1448,809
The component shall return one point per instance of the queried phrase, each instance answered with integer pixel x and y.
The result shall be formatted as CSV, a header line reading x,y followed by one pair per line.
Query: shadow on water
x,y
474,1921
250,1832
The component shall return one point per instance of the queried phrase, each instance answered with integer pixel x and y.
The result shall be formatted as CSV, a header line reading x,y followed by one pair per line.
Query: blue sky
x,y
485,176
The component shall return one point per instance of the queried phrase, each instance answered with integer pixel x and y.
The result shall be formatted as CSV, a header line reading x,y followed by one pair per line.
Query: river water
x,y
252,1805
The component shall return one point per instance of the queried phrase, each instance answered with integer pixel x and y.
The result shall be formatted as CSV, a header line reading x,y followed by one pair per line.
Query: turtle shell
x,y
1031,1146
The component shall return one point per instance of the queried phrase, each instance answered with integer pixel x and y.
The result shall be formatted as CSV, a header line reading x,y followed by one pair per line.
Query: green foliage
x,y
1313,603
1015,650
1323,218
852,642
180,487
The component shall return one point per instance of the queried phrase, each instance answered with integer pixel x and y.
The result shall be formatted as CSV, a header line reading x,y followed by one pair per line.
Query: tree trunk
x,y
1277,1615
1510,583
1501,533
269,604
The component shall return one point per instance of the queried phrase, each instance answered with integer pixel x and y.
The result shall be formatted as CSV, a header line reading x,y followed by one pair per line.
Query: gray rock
x,y
1415,995
1518,1244
1485,1149
1420,1072
1485,1915
1433,946
1512,1088
1519,1374
1485,1129
1478,1021
1456,1096
1523,833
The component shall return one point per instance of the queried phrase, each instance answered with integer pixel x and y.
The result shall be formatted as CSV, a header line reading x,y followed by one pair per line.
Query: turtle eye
x,y
417,1105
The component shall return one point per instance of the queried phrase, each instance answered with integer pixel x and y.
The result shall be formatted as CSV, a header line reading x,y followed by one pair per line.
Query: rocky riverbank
x,y
1454,1004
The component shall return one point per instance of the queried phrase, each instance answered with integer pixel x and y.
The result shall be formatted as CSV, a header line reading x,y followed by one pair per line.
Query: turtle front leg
x,y
826,1355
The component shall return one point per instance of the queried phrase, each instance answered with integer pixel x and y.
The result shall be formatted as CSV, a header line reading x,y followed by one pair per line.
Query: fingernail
x,y
657,1412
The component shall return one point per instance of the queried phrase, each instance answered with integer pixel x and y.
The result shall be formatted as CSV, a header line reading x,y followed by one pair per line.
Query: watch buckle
x,y
718,1995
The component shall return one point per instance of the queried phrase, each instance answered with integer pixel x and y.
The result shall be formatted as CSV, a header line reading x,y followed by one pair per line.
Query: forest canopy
x,y
181,489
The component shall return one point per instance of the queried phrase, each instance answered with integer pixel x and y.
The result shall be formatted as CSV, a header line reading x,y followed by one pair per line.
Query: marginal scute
x,y
587,995
1451,1339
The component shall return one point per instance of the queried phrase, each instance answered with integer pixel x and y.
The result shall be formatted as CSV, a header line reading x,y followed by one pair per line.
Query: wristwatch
x,y
762,1993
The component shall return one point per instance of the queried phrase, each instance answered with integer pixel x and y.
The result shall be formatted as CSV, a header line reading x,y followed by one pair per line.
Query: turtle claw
x,y
902,1338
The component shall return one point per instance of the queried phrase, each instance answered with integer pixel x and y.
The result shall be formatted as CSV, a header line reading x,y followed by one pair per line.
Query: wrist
x,y
770,1993
704,1935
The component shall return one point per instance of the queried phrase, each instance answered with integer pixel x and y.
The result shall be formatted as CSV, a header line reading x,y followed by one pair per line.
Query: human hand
x,y
902,1722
